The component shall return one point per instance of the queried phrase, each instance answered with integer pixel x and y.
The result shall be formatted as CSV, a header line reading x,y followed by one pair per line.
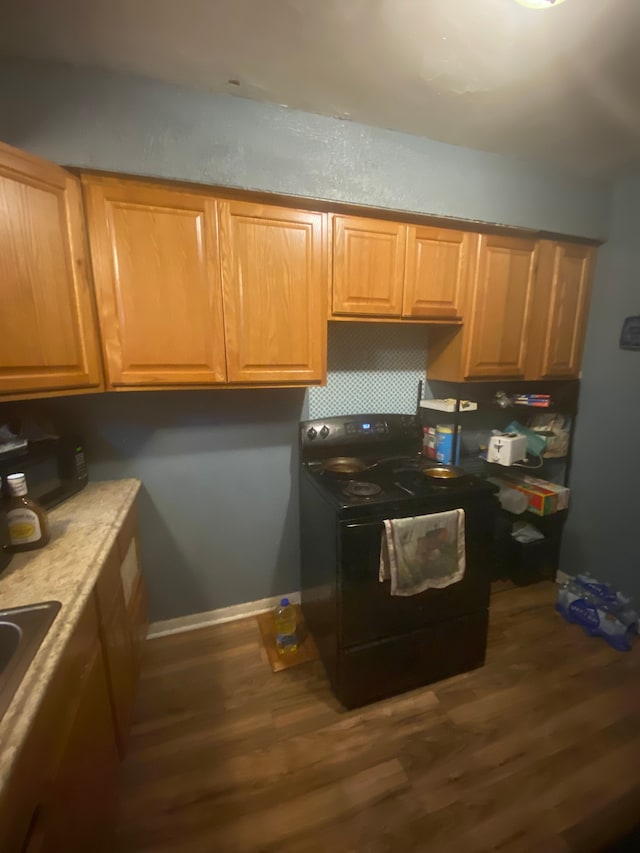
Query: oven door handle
x,y
358,525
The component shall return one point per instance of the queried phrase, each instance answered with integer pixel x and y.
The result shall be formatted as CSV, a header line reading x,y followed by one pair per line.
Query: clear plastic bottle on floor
x,y
285,620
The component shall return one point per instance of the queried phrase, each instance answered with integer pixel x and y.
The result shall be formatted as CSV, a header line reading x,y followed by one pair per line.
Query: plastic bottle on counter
x,y
27,520
285,622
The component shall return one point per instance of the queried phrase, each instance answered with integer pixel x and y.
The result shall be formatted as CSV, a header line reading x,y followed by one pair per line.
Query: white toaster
x,y
507,448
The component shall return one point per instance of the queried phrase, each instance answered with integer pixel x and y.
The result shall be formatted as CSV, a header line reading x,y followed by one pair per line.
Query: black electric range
x,y
373,644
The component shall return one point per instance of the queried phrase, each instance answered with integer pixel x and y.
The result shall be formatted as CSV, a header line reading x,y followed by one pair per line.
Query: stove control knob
x,y
311,433
324,432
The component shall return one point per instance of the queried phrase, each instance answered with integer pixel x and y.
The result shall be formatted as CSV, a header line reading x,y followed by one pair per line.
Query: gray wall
x,y
219,504
127,124
601,534
213,533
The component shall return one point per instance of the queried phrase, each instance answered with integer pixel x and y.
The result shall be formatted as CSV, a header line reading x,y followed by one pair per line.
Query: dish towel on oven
x,y
423,552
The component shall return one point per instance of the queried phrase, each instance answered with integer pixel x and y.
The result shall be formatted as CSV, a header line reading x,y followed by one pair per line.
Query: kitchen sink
x,y
22,629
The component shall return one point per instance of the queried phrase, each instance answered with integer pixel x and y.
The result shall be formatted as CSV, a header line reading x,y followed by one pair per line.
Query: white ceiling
x,y
560,85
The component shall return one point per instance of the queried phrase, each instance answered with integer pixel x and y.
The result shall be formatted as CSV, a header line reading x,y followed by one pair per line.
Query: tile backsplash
x,y
372,367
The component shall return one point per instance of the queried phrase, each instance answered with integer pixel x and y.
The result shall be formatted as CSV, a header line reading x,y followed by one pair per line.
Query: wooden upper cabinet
x,y
389,270
155,261
48,340
368,266
500,313
273,263
561,306
437,272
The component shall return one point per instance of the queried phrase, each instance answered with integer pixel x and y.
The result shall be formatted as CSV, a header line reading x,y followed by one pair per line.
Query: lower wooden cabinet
x,y
121,669
138,617
122,615
77,807
62,794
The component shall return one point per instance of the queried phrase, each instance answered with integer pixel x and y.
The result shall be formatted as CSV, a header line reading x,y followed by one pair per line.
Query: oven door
x,y
369,612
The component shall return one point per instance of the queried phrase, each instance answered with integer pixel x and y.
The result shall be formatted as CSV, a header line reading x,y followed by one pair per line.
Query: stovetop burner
x,y
393,484
368,464
360,489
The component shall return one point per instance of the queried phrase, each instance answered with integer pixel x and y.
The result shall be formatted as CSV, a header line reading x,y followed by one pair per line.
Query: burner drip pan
x,y
360,489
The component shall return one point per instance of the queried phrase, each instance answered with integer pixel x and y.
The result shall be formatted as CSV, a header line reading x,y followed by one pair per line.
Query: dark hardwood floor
x,y
538,750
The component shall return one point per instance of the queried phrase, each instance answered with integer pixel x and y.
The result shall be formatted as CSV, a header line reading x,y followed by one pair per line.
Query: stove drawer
x,y
377,670
369,612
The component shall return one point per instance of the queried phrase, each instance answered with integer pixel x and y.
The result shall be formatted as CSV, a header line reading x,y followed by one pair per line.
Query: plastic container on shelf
x,y
285,625
444,444
429,442
510,499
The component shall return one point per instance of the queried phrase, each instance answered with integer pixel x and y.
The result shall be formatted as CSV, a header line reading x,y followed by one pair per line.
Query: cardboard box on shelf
x,y
562,492
544,497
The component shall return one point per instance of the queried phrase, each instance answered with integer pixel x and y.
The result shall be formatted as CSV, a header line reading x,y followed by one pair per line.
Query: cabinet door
x,y
155,262
122,619
437,272
77,811
138,618
563,287
134,589
273,265
122,670
368,266
48,339
501,307
117,643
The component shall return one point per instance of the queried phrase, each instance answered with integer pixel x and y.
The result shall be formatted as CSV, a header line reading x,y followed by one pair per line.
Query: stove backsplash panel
x,y
371,368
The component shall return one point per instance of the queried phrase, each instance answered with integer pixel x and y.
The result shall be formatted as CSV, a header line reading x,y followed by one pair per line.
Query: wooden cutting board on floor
x,y
306,651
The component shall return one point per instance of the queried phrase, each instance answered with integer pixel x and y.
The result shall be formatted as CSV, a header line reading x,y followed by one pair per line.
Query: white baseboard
x,y
217,617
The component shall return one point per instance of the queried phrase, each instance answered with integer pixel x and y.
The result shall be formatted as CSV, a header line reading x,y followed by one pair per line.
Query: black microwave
x,y
55,469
